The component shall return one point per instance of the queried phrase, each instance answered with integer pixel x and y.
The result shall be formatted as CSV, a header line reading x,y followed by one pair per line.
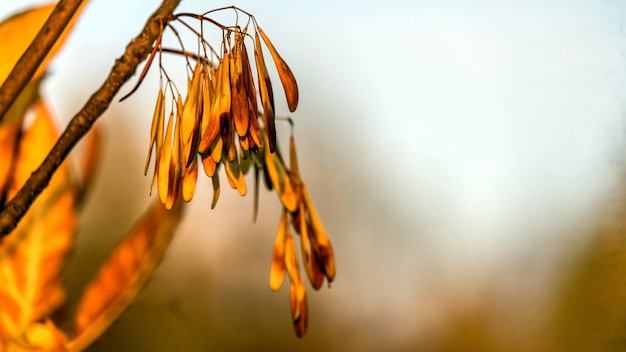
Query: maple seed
x,y
277,270
218,125
239,102
284,73
267,96
210,125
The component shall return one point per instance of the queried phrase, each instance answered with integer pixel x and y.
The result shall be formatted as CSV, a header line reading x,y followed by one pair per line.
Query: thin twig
x,y
125,66
30,60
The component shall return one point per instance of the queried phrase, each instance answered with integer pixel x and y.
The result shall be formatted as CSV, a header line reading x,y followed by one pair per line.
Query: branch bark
x,y
123,69
30,60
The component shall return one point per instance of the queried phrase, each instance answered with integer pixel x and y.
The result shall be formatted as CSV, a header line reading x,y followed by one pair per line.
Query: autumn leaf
x,y
20,29
17,32
31,258
38,337
124,274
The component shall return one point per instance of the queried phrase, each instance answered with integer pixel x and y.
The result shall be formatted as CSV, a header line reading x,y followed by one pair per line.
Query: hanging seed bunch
x,y
220,124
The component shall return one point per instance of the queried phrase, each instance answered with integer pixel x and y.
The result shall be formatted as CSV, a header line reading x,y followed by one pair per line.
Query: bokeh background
x,y
466,158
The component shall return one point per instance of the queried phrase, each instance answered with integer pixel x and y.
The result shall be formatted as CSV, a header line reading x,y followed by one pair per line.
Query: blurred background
x,y
466,158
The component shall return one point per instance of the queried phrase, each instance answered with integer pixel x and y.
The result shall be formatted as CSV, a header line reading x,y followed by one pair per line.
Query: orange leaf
x,y
38,337
20,29
124,274
89,162
9,133
32,256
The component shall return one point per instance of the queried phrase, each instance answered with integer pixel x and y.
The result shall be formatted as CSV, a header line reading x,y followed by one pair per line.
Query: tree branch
x,y
124,68
30,60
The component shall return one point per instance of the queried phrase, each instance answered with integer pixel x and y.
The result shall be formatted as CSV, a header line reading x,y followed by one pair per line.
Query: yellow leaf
x,y
284,73
89,161
18,31
23,102
123,275
32,256
38,337
9,131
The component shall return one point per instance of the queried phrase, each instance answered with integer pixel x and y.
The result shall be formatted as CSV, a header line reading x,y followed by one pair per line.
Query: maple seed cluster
x,y
219,123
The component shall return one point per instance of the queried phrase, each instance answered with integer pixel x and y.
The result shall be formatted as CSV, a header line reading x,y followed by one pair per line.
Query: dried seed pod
x,y
191,115
225,90
165,156
280,180
244,160
309,257
239,101
157,119
293,159
244,143
277,270
267,96
254,131
175,172
284,72
209,164
216,150
156,136
190,178
210,111
235,176
299,309
215,179
319,238
297,291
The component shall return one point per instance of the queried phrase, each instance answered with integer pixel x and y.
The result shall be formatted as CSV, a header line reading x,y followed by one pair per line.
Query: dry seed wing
x,y
284,72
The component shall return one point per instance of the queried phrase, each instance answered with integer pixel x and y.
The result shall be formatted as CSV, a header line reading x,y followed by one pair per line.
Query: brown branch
x,y
30,60
125,66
